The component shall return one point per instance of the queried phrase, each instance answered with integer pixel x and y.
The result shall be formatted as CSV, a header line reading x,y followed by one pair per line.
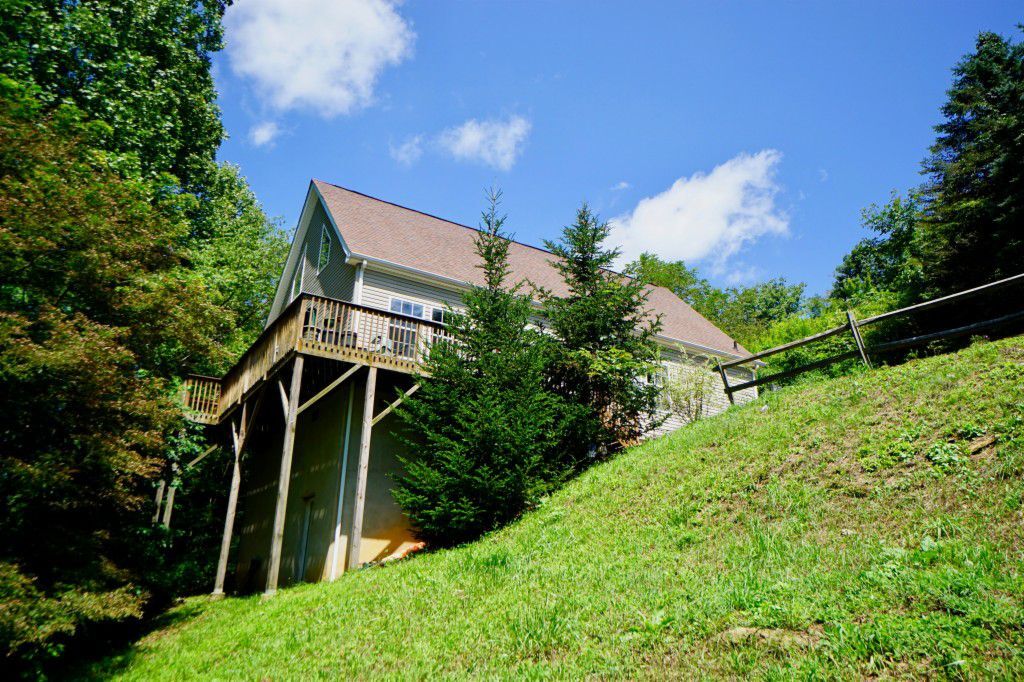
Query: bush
x,y
686,392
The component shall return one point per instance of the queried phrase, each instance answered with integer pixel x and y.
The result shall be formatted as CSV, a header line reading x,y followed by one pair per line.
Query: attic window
x,y
325,249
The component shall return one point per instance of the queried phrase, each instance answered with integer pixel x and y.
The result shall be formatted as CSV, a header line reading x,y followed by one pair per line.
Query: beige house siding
x,y
380,287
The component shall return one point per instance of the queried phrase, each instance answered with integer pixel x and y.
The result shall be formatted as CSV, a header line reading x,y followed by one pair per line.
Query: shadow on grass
x,y
112,650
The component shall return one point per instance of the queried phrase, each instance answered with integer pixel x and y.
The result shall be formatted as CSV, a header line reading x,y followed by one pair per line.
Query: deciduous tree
x,y
98,313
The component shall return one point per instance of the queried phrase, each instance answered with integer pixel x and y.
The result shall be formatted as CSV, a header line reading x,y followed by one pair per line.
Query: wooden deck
x,y
323,327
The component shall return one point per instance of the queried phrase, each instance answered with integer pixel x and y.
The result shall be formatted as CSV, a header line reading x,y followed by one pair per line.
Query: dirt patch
x,y
1012,352
783,639
982,448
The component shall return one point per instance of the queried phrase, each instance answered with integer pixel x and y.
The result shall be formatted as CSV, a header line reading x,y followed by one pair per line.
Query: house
x,y
363,294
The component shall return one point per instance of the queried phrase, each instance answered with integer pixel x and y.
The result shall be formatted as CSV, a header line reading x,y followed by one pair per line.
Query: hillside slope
x,y
870,525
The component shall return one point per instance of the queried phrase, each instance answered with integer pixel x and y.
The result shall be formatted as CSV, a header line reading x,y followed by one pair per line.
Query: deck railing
x,y
201,397
324,327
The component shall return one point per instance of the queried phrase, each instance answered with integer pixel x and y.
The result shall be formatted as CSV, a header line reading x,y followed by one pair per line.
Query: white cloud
x,y
409,152
264,133
321,55
707,215
619,186
493,142
822,174
742,274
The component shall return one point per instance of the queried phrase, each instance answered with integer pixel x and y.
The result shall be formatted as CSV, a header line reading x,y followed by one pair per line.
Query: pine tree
x,y
607,349
974,203
485,426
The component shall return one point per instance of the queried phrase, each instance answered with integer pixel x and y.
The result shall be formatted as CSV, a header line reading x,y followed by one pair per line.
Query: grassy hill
x,y
870,525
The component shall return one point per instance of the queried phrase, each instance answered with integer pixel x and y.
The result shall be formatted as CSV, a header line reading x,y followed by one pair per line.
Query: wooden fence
x,y
864,352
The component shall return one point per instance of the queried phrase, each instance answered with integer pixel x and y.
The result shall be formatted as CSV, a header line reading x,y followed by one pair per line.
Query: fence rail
x,y
320,326
854,326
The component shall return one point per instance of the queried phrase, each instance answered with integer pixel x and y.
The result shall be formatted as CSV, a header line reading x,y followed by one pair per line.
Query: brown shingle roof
x,y
384,231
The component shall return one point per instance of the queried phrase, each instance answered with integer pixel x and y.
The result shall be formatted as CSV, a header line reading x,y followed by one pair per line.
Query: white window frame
x,y
412,305
325,238
403,335
443,316
300,270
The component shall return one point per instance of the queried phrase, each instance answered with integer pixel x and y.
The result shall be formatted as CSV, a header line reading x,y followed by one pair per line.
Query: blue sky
x,y
743,137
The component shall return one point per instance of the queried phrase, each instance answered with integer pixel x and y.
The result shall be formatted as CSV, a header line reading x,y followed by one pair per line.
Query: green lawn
x,y
870,525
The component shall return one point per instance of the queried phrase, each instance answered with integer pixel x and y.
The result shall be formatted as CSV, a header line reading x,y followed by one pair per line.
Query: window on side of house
x,y
660,376
444,315
403,335
324,257
404,307
297,276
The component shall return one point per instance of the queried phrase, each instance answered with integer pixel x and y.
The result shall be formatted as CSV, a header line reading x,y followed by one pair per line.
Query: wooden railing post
x,y
305,319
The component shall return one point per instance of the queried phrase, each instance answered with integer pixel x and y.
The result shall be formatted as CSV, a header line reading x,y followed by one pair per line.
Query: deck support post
x,y
342,475
238,441
168,506
356,537
284,478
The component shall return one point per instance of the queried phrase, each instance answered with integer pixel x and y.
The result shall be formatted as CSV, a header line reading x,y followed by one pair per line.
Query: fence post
x,y
856,337
725,381
159,500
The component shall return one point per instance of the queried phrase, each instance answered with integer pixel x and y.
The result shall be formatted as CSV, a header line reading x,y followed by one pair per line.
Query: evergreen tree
x,y
606,347
974,202
485,425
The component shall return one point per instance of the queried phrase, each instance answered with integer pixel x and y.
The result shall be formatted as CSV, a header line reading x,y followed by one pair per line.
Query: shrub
x,y
686,391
